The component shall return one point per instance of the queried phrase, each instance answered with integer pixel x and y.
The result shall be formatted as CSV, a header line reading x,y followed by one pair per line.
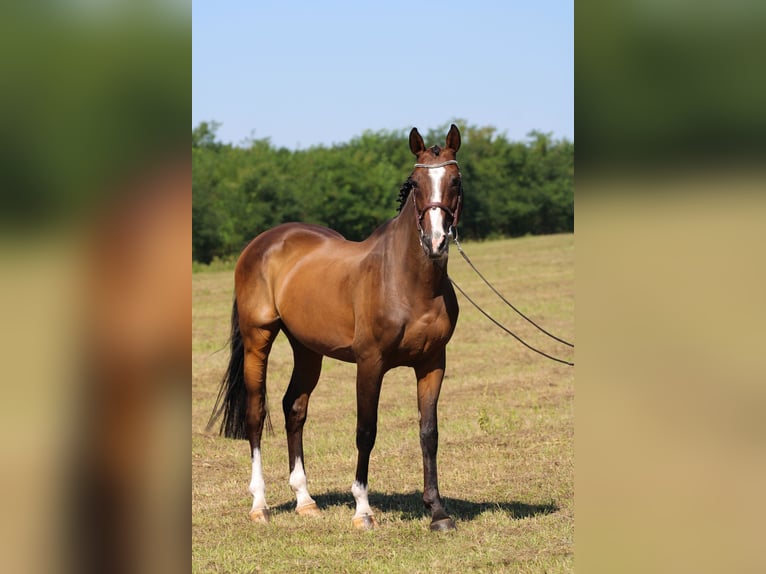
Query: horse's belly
x,y
320,319
322,337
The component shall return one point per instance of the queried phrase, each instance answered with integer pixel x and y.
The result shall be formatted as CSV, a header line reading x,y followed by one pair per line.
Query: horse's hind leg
x,y
306,369
258,343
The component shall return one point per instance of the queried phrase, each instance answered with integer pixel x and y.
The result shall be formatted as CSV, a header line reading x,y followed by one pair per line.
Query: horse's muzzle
x,y
435,244
435,241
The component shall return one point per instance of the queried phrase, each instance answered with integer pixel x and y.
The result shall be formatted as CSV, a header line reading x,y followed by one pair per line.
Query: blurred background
x,y
95,220
671,228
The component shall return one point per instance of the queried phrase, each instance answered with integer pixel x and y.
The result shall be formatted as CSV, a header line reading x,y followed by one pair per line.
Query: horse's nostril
x,y
438,242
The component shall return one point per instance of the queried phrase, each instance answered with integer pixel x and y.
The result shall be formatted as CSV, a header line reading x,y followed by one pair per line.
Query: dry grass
x,y
506,451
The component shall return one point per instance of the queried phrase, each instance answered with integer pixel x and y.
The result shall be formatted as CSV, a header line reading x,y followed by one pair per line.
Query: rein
x,y
453,233
470,263
487,315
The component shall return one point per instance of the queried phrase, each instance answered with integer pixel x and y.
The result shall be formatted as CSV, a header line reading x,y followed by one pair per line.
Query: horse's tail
x,y
232,395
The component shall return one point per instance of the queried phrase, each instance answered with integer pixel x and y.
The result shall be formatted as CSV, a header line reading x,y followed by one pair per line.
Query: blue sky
x,y
307,73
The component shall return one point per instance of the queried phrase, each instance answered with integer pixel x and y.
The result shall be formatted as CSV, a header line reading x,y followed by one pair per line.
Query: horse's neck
x,y
407,254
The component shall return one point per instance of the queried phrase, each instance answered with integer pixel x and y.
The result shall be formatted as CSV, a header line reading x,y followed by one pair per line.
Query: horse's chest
x,y
427,332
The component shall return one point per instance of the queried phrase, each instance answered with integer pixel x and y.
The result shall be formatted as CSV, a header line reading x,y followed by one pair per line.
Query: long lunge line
x,y
504,328
470,263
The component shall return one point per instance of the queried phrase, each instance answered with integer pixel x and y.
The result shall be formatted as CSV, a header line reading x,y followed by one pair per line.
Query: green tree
x,y
510,188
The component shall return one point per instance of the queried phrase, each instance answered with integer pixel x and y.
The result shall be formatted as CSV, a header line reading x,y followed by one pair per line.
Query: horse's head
x,y
436,191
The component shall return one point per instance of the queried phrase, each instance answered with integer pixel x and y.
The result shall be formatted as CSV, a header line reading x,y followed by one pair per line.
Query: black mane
x,y
404,192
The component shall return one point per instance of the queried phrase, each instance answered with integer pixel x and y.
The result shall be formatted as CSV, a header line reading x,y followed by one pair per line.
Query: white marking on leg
x,y
299,484
362,504
257,485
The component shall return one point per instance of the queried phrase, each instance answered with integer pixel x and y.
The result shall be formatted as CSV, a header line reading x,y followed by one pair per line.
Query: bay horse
x,y
381,303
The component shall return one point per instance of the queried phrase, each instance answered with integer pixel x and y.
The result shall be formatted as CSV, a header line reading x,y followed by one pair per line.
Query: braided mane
x,y
404,192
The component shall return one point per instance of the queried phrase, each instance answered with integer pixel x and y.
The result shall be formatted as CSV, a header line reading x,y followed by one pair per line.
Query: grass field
x,y
506,451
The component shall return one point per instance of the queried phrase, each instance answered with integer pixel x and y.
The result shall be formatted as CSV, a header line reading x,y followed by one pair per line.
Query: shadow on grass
x,y
409,506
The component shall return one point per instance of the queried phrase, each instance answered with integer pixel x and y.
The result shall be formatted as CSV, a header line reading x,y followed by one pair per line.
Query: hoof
x,y
365,522
443,525
261,515
310,509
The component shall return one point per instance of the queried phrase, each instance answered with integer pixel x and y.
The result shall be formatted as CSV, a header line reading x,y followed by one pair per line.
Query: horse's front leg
x,y
430,377
369,377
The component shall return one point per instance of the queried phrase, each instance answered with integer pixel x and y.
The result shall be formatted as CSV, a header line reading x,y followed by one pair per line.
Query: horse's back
x,y
281,244
287,238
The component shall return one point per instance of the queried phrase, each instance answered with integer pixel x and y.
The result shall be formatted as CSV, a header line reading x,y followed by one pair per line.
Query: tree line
x,y
511,188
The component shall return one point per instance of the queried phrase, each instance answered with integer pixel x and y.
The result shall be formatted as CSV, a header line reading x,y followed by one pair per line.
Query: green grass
x,y
506,451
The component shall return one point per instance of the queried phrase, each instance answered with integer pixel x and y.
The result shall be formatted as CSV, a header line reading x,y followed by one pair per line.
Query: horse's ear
x,y
453,138
416,142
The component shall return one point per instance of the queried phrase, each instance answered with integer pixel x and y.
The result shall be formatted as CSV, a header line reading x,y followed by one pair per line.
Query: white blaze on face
x,y
257,485
362,504
299,484
435,214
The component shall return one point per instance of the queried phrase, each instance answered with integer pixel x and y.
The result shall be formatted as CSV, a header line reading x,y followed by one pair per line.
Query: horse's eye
x,y
455,182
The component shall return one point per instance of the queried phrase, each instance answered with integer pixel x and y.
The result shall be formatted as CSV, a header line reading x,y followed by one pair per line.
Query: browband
x,y
433,165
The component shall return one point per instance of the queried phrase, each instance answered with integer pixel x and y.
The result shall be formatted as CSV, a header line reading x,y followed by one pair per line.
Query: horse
x,y
381,303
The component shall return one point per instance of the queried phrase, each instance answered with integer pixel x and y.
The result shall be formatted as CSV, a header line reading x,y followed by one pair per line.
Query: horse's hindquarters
x,y
301,275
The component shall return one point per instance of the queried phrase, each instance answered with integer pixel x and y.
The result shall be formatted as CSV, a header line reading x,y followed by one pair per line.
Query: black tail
x,y
232,396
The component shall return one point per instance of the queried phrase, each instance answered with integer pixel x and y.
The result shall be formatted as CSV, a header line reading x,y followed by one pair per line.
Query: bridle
x,y
454,215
